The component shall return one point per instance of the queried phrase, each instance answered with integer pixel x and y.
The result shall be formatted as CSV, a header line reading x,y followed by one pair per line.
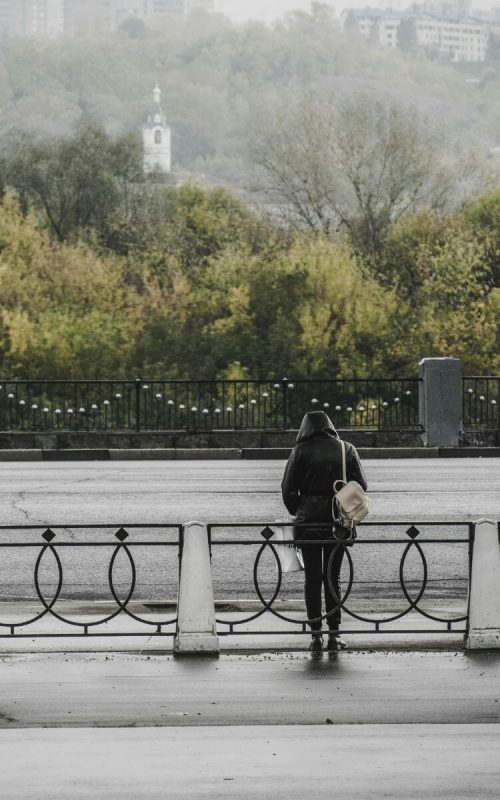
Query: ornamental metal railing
x,y
129,574
123,580
140,405
419,567
481,402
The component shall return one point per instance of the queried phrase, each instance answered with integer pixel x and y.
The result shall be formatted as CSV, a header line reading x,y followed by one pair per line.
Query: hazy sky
x,y
261,9
269,9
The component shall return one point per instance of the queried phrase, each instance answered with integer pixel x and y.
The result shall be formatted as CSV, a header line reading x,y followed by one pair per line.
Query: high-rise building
x,y
39,17
31,17
92,15
51,17
110,14
5,17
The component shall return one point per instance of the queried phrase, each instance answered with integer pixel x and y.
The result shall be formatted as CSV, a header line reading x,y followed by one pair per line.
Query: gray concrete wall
x,y
440,401
184,440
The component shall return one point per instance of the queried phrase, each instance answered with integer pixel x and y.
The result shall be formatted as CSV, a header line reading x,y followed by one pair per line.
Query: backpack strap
x,y
344,466
344,469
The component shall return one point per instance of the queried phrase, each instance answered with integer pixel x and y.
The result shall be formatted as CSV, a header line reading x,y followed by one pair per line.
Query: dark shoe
x,y
316,645
335,642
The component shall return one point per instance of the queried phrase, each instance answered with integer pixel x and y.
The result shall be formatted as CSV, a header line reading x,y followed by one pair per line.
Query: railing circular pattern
x,y
49,603
413,604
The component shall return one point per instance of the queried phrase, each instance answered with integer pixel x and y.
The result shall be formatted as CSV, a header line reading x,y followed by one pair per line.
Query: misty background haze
x,y
183,194
267,10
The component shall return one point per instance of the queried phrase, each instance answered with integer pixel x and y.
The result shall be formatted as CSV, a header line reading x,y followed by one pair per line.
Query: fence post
x,y
196,628
440,401
138,384
284,383
484,592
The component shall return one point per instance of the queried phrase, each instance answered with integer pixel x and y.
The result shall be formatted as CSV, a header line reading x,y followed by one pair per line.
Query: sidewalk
x,y
403,762
406,726
347,688
388,718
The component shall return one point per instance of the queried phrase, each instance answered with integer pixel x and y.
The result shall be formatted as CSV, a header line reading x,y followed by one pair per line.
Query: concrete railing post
x,y
196,628
440,401
484,592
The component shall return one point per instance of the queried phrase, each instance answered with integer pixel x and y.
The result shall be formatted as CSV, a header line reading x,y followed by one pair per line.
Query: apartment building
x,y
31,17
6,21
454,39
460,40
52,17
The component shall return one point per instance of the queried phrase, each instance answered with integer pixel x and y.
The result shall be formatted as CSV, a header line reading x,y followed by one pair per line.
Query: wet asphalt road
x,y
165,491
231,492
380,725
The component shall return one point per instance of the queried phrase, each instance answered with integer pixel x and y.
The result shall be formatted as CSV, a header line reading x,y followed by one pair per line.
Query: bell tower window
x,y
157,137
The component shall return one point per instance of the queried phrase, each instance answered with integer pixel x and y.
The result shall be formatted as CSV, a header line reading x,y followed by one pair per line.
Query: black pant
x,y
316,558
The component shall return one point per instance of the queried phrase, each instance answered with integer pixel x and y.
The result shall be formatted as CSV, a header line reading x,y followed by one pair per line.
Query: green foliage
x,y
216,291
407,35
493,49
76,181
105,273
443,266
484,217
65,312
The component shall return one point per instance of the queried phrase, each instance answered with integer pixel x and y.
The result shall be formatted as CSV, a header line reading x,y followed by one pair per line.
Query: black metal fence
x,y
43,571
419,567
130,575
481,402
140,405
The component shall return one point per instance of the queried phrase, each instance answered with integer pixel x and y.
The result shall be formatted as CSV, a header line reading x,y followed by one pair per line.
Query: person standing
x,y
307,489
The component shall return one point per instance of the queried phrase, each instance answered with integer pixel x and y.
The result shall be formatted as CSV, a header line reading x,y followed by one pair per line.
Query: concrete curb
x,y
233,453
21,455
179,454
262,453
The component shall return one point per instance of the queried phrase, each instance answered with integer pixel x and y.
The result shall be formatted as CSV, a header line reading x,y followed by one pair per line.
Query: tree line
x,y
218,79
106,273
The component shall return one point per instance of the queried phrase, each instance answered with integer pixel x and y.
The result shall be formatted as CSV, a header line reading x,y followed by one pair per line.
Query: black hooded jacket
x,y
314,464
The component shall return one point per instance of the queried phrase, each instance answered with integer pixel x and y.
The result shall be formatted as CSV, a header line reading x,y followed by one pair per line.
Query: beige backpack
x,y
351,501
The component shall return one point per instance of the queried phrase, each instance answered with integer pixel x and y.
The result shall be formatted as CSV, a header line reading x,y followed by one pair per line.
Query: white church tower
x,y
157,138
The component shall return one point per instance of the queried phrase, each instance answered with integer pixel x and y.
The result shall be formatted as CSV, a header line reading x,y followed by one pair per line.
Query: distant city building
x,y
6,20
156,138
451,38
99,15
42,18
32,17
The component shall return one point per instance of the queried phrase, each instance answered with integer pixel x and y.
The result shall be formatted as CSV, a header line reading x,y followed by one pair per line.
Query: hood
x,y
316,423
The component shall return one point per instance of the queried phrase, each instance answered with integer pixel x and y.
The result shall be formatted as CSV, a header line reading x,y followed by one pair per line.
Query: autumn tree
x,y
407,35
360,165
76,182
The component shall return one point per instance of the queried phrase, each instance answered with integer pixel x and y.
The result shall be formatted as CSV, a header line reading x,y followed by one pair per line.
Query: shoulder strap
x,y
342,480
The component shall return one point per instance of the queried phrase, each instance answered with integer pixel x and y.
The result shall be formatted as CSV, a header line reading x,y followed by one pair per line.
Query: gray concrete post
x,y
196,628
484,592
440,401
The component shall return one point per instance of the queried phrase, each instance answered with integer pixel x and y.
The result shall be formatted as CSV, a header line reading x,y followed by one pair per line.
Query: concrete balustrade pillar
x,y
196,628
484,592
440,401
